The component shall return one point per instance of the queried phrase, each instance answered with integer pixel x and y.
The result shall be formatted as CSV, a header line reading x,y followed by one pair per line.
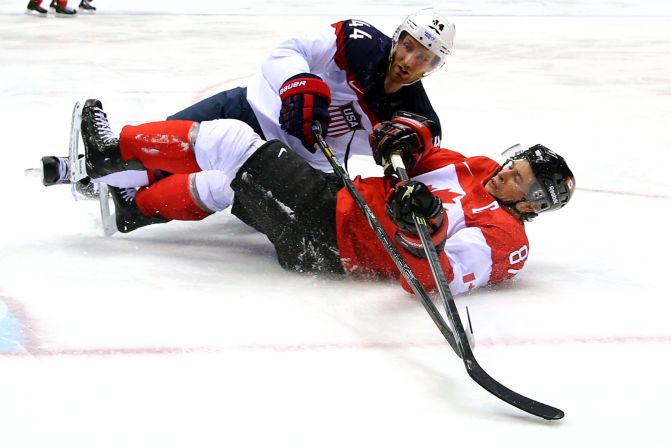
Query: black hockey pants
x,y
281,195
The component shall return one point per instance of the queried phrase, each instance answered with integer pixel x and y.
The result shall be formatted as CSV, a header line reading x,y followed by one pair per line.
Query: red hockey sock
x,y
161,145
170,198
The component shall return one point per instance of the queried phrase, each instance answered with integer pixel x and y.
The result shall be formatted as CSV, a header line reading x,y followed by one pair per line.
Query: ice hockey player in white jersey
x,y
349,78
475,207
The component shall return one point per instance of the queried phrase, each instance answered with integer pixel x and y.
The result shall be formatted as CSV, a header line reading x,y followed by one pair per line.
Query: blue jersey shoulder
x,y
363,52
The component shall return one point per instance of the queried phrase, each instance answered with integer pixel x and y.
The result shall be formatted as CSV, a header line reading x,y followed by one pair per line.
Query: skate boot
x,y
36,10
103,156
128,215
56,171
86,7
61,11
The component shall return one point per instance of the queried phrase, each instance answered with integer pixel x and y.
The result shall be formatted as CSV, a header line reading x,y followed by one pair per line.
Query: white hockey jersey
x,y
352,58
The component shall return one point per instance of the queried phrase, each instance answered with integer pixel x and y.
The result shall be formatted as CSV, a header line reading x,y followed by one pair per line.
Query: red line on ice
x,y
626,193
386,346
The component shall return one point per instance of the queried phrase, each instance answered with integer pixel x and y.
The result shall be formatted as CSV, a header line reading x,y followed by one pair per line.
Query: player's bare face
x,y
512,182
409,63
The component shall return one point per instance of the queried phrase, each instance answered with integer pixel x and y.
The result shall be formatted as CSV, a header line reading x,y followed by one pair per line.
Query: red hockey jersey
x,y
485,243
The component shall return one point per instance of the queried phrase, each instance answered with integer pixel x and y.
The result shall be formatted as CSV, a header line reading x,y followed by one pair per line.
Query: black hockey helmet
x,y
555,182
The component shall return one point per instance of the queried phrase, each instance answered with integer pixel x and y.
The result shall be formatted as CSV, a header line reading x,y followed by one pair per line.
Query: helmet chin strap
x,y
512,206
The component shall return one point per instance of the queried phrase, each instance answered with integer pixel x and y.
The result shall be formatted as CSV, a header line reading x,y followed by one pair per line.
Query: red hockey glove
x,y
305,99
412,196
407,134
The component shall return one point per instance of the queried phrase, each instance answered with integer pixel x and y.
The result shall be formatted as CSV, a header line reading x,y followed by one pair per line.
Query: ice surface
x,y
191,333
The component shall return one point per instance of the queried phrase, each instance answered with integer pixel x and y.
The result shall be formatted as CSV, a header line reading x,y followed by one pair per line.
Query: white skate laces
x,y
102,126
63,168
128,194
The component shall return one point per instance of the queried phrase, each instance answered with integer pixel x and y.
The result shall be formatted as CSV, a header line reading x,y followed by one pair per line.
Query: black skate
x,y
103,156
35,10
61,11
56,171
86,7
128,215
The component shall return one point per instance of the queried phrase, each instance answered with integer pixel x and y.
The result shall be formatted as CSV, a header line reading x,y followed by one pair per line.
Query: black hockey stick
x,y
462,346
474,370
402,265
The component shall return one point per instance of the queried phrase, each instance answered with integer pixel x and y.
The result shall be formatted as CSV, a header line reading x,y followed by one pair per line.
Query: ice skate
x,y
55,170
61,11
36,10
103,155
86,8
128,216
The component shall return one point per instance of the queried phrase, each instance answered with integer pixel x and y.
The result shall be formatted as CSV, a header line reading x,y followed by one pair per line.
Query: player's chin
x,y
401,78
407,77
398,73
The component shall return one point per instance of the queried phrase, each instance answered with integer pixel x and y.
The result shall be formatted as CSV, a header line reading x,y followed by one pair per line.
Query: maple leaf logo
x,y
445,195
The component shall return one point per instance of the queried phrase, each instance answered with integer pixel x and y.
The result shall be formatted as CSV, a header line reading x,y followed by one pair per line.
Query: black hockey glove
x,y
407,134
412,196
305,99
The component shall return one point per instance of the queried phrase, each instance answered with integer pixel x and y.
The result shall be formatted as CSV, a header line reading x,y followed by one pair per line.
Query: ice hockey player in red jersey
x,y
349,77
475,208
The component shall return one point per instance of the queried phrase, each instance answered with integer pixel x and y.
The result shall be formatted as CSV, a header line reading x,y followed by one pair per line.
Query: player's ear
x,y
524,207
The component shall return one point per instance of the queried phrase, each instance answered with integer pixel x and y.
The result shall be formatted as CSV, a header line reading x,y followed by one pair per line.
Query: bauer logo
x,y
287,87
344,119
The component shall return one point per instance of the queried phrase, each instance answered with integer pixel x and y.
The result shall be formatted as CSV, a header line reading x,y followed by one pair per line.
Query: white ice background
x,y
192,334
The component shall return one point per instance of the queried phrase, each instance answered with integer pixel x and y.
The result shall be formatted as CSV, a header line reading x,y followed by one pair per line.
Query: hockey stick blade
x,y
477,373
504,393
482,378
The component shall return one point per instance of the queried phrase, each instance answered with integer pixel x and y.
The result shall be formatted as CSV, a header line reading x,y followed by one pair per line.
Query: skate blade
x,y
77,164
107,218
34,172
60,15
30,12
